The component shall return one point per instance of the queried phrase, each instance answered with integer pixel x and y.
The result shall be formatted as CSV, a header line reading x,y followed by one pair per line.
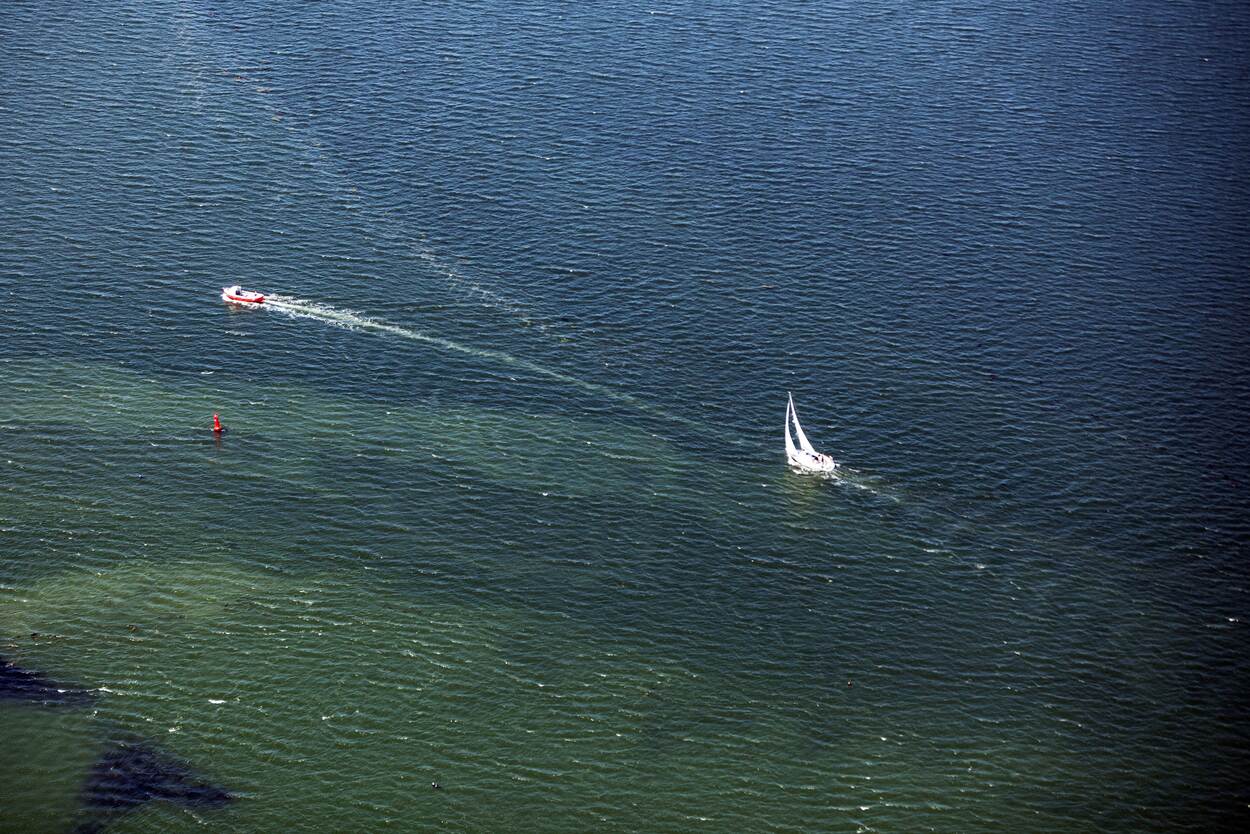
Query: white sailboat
x,y
804,457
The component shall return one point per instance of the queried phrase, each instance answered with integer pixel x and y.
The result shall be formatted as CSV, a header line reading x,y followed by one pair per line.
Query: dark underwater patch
x,y
18,684
129,774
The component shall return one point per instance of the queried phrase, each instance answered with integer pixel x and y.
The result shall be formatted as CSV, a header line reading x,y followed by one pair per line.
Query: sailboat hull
x,y
813,464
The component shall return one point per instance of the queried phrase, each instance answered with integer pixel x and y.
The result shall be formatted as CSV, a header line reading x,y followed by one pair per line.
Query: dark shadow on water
x,y
131,773
18,684
128,773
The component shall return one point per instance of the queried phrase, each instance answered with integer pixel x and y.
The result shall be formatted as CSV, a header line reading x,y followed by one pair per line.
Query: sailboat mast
x,y
790,450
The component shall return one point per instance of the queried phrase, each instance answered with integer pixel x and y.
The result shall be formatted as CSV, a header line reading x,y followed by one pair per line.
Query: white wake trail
x,y
347,319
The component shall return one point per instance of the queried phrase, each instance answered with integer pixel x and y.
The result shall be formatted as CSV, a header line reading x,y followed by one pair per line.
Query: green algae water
x,y
500,536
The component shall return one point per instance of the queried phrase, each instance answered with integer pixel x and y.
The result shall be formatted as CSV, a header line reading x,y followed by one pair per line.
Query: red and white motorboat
x,y
238,295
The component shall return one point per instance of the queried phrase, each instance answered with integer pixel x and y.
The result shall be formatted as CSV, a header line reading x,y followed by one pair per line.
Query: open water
x,y
503,507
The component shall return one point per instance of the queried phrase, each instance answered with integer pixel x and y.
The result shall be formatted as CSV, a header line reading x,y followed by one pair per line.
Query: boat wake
x,y
872,484
351,320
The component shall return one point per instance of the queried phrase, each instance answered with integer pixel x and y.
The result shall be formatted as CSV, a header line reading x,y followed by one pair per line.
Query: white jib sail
x,y
804,444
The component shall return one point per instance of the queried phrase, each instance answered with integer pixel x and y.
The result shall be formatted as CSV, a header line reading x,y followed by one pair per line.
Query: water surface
x,y
502,506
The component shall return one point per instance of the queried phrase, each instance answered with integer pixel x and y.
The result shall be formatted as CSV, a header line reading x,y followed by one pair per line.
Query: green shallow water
x,y
328,654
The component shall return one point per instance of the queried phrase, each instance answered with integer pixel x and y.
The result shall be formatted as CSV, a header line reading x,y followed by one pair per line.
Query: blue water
x,y
503,504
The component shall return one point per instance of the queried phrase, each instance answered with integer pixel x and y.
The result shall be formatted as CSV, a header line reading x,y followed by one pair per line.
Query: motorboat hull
x,y
237,295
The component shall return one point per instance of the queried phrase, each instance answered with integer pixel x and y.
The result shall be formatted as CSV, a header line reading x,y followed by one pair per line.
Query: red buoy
x,y
217,429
